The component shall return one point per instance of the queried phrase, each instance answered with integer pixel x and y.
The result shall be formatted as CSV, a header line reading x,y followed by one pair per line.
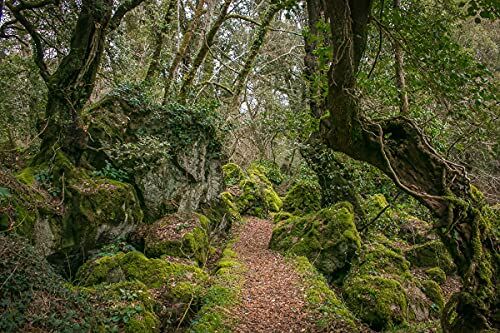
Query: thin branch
x,y
123,9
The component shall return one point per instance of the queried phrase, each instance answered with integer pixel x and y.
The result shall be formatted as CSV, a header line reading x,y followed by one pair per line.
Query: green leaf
x,y
4,192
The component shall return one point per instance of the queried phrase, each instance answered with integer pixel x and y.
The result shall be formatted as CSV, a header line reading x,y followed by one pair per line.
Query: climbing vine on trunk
x,y
399,149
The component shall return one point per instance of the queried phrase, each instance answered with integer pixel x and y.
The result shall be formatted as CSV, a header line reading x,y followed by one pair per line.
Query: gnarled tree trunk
x,y
400,150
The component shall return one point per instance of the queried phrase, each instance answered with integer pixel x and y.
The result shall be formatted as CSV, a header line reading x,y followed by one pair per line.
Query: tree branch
x,y
121,11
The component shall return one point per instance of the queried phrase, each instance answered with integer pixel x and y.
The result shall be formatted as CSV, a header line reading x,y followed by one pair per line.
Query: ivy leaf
x,y
4,192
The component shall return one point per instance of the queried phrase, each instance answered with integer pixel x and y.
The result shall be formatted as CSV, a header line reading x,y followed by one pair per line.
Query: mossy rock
x,y
377,259
179,235
436,274
378,301
223,294
302,198
328,310
434,292
33,298
222,213
281,216
127,306
233,174
269,169
258,197
429,255
414,230
328,238
186,280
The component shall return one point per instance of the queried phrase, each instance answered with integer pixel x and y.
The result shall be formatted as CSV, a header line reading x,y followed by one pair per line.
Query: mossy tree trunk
x,y
399,149
71,84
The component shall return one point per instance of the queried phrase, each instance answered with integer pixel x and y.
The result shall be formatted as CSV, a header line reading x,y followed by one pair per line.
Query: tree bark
x,y
154,65
203,51
404,106
181,51
399,149
71,85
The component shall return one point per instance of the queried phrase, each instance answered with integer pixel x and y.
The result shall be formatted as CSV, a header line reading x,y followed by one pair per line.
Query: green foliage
x,y
33,297
109,171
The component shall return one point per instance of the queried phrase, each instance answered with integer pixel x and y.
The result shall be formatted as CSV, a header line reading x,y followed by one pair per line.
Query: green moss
x,y
232,174
304,197
380,302
328,238
126,306
221,296
436,274
147,322
322,302
430,254
269,169
281,216
377,259
273,201
27,176
433,291
179,235
154,273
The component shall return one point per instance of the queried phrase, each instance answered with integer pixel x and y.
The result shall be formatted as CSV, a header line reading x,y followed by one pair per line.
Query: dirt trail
x,y
272,296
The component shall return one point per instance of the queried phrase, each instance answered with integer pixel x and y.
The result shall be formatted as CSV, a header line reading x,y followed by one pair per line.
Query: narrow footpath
x,y
272,296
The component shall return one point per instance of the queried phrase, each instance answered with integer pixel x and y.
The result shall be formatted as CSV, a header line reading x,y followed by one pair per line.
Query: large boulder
x,y
172,154
184,235
66,212
328,238
382,292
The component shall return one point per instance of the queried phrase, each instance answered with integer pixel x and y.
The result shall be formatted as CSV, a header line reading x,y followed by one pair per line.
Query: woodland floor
x,y
272,296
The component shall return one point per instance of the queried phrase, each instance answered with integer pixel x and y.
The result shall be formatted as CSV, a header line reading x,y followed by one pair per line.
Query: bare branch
x,y
123,9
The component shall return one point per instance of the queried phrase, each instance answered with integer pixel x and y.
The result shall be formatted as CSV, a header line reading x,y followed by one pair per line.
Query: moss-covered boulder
x,y
258,196
380,302
414,230
281,216
380,289
176,286
328,238
433,291
33,298
223,294
180,235
321,301
127,306
304,197
430,254
269,169
233,174
436,274
172,153
222,213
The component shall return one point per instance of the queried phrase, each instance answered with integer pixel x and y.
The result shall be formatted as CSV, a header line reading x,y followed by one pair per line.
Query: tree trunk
x,y
404,106
399,149
71,85
183,48
155,64
205,47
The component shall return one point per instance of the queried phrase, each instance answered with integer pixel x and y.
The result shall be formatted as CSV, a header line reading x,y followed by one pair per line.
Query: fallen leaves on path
x,y
272,296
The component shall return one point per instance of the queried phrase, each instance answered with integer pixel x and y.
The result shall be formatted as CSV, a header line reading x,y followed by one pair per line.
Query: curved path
x,y
272,296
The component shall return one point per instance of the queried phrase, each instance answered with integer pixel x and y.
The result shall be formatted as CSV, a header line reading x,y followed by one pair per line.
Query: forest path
x,y
272,295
